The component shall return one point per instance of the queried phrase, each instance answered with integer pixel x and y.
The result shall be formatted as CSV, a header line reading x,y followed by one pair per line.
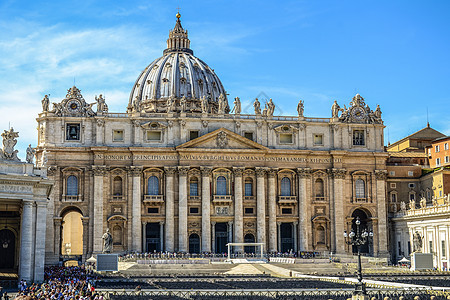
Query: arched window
x,y
360,189
320,235
221,185
193,187
72,185
153,186
248,187
117,186
319,188
285,186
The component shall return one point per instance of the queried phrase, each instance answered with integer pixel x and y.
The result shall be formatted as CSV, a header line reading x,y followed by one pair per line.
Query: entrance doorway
x,y
221,231
153,237
286,235
365,225
249,238
72,233
7,249
194,243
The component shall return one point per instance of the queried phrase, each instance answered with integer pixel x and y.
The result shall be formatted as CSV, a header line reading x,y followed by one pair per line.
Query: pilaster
x,y
99,172
26,242
381,211
182,210
238,206
337,218
39,252
261,205
136,200
304,175
272,210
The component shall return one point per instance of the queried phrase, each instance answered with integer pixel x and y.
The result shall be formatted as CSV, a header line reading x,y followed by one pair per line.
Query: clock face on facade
x,y
358,113
73,106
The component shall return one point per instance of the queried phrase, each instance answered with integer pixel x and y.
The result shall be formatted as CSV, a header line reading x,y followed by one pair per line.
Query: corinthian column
x,y
272,209
26,241
99,171
39,256
136,200
381,237
238,207
182,209
170,225
206,209
337,211
304,176
261,206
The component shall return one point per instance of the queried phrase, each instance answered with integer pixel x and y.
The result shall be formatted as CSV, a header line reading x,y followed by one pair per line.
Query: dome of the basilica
x,y
178,81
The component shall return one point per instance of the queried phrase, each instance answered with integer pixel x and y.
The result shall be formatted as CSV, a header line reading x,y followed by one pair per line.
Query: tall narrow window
x,y
153,186
358,138
221,185
360,189
319,188
285,186
72,185
117,188
193,187
320,235
248,187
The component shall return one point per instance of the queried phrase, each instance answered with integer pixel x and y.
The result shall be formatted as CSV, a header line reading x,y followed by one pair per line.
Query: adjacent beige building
x,y
182,171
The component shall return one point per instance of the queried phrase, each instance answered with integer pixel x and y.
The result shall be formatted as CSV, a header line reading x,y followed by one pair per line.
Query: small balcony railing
x,y
360,200
72,198
117,198
286,200
154,199
225,199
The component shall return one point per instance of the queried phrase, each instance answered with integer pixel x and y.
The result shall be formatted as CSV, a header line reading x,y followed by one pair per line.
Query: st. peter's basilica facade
x,y
181,170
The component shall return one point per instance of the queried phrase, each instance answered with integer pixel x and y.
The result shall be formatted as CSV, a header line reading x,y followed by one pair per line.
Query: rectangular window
x,y
117,135
437,148
193,210
285,138
431,246
412,196
411,185
393,197
248,189
193,189
318,139
193,134
153,135
73,132
393,185
153,210
392,173
248,210
444,253
447,159
429,151
438,161
248,135
410,173
358,138
286,211
399,248
446,146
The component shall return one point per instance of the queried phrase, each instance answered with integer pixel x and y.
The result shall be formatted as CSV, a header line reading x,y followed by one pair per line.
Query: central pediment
x,y
222,139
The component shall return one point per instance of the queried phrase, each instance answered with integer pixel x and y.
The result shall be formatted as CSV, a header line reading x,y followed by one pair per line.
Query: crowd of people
x,y
62,283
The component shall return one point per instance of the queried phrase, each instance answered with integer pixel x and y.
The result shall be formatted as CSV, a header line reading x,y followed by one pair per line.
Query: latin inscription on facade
x,y
219,157
8,188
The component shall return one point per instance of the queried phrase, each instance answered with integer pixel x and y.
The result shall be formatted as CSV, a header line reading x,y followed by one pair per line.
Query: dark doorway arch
x,y
194,243
287,237
365,225
153,237
221,232
249,238
7,249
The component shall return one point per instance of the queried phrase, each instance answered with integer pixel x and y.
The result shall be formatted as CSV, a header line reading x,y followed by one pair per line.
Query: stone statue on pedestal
x,y
45,103
257,107
270,108
237,106
300,108
30,154
107,242
9,141
417,242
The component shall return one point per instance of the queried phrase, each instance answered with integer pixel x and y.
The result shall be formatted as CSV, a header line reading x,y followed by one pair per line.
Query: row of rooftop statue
x,y
74,104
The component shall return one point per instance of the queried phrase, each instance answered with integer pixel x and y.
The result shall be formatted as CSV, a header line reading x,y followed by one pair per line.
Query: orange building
x,y
439,152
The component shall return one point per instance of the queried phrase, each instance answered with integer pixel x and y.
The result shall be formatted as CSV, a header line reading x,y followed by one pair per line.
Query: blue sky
x,y
393,53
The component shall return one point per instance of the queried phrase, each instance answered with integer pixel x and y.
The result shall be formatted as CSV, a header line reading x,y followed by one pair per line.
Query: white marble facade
x,y
179,172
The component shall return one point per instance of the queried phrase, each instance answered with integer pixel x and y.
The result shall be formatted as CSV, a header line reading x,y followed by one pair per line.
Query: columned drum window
x,y
72,185
221,186
153,186
360,189
285,187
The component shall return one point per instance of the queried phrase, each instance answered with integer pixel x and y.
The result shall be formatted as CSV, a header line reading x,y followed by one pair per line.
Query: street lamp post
x,y
358,239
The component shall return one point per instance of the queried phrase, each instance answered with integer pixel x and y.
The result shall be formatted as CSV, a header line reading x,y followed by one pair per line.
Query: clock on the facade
x,y
73,106
358,113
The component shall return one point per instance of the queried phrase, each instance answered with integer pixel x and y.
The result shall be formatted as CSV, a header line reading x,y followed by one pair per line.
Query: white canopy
x,y
404,260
